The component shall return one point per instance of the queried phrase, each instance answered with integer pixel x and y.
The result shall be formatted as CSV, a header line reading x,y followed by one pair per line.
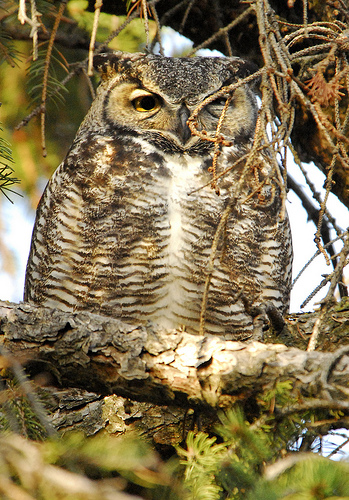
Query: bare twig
x,y
33,22
98,6
210,267
46,73
222,31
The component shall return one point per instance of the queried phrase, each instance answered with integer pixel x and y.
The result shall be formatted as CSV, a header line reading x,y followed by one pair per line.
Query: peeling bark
x,y
105,356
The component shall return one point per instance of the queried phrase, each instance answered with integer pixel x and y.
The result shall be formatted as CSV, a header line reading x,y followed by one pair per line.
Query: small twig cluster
x,y
322,95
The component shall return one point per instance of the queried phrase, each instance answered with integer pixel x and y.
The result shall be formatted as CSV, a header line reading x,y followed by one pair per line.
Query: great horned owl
x,y
123,228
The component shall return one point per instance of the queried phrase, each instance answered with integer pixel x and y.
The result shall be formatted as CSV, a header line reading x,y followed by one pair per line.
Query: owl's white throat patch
x,y
184,179
185,174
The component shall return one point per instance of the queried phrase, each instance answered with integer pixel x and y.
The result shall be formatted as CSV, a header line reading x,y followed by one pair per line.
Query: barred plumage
x,y
122,228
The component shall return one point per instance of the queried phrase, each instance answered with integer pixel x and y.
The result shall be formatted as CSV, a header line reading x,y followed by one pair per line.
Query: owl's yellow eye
x,y
146,103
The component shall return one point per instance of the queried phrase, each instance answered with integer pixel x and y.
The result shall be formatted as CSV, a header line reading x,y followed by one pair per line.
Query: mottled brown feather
x,y
121,228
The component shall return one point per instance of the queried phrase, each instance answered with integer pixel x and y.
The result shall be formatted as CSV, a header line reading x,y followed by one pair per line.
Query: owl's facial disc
x,y
146,110
152,110
148,104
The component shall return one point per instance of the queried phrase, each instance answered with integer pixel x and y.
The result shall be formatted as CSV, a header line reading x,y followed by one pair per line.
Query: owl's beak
x,y
183,130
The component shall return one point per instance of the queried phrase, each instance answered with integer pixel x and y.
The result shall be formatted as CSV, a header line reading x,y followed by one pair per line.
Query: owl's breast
x,y
187,233
167,230
132,232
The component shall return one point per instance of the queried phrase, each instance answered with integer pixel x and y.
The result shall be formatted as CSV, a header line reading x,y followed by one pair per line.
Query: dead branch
x,y
104,355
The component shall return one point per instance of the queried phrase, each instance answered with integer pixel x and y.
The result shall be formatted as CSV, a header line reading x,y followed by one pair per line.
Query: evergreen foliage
x,y
55,89
239,463
7,178
200,459
8,51
237,468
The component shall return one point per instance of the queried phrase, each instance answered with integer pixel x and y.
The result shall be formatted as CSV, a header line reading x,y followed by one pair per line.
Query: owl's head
x,y
155,95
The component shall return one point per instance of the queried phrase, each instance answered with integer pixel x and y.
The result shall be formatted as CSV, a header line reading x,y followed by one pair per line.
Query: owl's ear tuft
x,y
106,63
240,68
109,63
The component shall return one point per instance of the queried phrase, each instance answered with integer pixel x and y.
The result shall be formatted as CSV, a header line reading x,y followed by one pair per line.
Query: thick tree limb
x,y
106,356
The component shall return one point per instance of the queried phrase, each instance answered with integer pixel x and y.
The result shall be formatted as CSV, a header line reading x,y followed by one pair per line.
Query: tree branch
x,y
74,39
104,355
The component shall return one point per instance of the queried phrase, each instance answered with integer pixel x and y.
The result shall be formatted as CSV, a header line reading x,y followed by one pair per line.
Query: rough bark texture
x,y
104,374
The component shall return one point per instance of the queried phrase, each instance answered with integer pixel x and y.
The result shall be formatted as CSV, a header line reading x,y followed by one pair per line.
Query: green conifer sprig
x,y
8,51
201,459
6,172
245,466
55,89
224,470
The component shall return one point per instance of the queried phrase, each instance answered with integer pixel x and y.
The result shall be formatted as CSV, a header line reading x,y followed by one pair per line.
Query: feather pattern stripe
x,y
122,228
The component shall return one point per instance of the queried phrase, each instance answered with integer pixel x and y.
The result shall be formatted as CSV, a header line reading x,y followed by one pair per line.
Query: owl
x,y
129,225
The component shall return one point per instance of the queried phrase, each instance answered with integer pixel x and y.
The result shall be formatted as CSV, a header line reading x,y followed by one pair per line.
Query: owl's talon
x,y
263,313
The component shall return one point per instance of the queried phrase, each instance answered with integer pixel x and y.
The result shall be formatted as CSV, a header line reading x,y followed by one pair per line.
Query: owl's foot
x,y
264,314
